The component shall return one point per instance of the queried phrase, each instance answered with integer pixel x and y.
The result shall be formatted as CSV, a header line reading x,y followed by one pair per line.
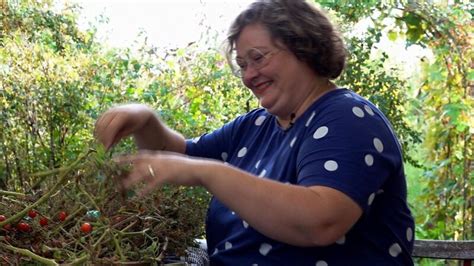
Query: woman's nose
x,y
249,73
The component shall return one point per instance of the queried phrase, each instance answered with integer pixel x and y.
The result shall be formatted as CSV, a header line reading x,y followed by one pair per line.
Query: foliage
x,y
446,97
56,81
51,98
43,92
124,228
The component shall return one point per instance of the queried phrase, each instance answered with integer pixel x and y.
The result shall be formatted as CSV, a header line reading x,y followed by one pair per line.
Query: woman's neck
x,y
317,90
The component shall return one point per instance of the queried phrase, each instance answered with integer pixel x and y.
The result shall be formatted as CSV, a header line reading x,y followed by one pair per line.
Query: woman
x,y
315,177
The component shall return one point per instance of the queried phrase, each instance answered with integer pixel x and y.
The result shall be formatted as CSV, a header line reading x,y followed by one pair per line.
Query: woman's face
x,y
281,82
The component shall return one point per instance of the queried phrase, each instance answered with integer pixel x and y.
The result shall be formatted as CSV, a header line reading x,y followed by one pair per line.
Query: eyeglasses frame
x,y
239,71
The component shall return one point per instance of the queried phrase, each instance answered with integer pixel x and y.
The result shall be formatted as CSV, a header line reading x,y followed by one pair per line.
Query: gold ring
x,y
150,170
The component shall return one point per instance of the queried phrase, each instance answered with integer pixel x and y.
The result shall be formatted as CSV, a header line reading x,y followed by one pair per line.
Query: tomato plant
x,y
86,228
2,218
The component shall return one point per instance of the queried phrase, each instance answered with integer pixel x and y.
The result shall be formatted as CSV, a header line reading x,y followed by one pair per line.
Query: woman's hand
x,y
122,121
322,215
154,169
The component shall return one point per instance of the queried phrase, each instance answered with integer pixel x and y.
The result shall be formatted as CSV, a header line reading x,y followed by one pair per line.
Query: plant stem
x,y
11,193
162,253
81,260
30,254
88,196
46,196
142,232
100,238
128,226
117,246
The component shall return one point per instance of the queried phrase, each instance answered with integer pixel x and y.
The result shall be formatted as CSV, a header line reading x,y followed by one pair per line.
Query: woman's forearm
x,y
292,214
155,135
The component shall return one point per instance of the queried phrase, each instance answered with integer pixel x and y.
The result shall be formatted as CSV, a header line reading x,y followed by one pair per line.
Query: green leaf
x,y
392,35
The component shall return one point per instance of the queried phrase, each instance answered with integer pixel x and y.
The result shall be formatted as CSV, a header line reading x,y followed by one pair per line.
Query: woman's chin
x,y
269,107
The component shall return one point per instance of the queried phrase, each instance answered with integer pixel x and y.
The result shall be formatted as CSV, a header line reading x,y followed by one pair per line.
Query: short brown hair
x,y
301,27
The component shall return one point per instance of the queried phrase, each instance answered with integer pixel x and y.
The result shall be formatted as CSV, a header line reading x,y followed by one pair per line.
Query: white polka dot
x,y
224,156
395,250
321,263
330,165
378,145
245,224
242,152
348,95
255,264
233,213
358,112
259,120
320,132
371,199
228,245
215,251
262,174
369,160
380,191
409,234
310,119
341,240
196,139
293,142
368,110
258,164
265,248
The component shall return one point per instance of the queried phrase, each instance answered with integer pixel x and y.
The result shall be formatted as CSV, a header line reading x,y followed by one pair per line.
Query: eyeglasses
x,y
254,58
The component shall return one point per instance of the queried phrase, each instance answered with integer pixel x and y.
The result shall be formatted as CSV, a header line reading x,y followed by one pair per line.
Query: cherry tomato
x,y
86,228
43,221
23,227
32,213
5,226
62,215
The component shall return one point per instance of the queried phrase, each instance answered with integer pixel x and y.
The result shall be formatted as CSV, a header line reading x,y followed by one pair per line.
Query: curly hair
x,y
305,30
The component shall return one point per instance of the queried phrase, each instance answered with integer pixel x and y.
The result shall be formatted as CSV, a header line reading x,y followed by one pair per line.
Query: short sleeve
x,y
217,144
350,148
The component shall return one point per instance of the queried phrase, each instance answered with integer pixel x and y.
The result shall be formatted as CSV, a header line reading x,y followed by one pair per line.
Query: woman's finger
x,y
142,172
152,185
135,177
105,130
124,159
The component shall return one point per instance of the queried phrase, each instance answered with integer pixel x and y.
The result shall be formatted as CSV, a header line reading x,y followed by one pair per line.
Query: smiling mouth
x,y
262,86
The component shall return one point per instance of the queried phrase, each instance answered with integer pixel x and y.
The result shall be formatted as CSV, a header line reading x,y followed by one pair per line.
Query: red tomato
x,y
62,215
32,213
5,226
43,221
86,228
24,227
